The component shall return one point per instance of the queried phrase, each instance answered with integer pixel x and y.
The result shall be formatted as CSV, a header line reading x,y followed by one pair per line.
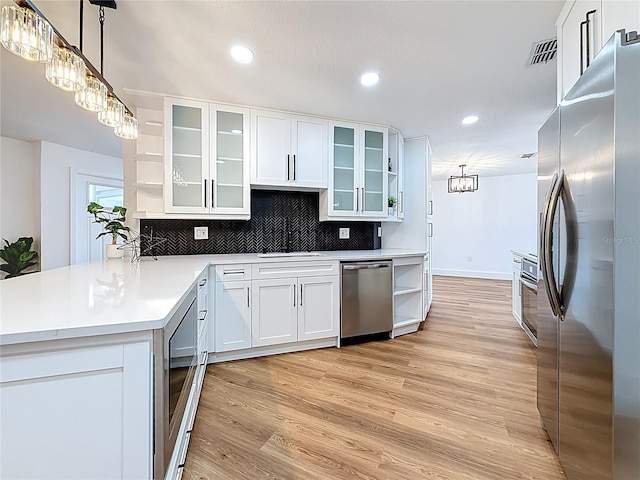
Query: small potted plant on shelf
x,y
392,206
18,257
113,224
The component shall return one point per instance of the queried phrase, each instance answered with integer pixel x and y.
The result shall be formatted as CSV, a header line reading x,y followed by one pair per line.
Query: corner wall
x,y
57,166
19,201
474,233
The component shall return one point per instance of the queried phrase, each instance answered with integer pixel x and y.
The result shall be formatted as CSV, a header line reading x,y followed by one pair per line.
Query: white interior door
x,y
108,192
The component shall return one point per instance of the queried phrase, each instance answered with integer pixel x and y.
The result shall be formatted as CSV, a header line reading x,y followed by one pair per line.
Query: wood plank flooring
x,y
454,401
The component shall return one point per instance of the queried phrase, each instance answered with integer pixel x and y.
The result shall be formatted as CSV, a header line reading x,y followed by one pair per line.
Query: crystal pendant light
x,y
26,34
113,115
129,128
93,96
66,70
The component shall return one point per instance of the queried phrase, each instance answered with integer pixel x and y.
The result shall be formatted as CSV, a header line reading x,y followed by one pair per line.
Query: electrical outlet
x,y
343,233
200,233
379,231
469,259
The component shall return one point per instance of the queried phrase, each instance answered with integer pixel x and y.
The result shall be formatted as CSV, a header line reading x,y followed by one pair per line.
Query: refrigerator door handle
x,y
550,281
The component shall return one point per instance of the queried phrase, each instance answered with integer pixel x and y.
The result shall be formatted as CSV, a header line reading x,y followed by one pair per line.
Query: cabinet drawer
x,y
239,271
294,269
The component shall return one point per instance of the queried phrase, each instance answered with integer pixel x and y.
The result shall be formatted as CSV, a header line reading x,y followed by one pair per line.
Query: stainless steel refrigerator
x,y
589,290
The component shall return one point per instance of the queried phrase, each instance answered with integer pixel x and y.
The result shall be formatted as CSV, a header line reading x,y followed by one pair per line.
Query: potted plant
x,y
113,224
18,256
392,205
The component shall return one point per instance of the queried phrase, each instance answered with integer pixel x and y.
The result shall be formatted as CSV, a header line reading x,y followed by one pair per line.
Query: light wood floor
x,y
453,401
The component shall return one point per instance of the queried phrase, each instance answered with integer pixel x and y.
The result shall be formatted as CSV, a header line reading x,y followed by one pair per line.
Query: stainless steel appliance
x,y
589,302
529,298
367,298
176,358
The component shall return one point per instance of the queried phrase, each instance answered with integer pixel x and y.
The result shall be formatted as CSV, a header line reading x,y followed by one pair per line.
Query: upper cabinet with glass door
x,y
186,156
357,174
206,159
230,193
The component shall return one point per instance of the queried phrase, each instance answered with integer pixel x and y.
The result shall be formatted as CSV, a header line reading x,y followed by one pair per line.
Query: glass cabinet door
x,y
344,157
374,177
187,130
230,161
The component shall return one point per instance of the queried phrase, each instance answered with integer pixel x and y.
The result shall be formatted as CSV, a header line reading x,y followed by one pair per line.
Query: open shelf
x,y
401,321
150,185
187,129
406,290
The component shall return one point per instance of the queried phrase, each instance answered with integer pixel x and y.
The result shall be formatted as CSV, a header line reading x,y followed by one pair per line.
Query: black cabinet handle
x,y
294,167
300,294
288,168
205,193
213,195
582,25
589,13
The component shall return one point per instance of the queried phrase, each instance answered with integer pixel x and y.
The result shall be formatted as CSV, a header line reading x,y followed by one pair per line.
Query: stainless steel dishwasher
x,y
367,298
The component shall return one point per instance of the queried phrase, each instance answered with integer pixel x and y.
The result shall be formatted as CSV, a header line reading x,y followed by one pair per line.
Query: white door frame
x,y
78,180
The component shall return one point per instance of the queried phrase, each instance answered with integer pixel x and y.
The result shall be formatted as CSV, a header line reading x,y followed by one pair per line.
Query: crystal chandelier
x,y
26,34
113,115
93,96
66,70
129,128
462,183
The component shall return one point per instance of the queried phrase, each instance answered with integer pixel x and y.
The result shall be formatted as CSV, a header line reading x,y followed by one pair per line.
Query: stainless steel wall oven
x,y
529,298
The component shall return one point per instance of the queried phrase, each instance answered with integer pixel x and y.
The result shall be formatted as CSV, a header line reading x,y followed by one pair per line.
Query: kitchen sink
x,y
290,254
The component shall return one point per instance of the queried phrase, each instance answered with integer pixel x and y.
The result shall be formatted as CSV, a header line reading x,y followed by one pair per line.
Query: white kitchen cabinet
x,y
583,27
516,291
206,159
274,317
428,285
395,174
232,316
203,316
358,173
74,410
318,307
294,309
288,150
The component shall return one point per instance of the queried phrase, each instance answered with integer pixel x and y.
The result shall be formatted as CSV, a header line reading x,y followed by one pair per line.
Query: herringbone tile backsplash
x,y
273,213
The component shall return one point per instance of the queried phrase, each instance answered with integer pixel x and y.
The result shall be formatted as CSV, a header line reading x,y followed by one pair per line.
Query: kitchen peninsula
x,y
78,352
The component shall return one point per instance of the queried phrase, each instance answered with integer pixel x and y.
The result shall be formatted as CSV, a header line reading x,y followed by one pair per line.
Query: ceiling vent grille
x,y
543,52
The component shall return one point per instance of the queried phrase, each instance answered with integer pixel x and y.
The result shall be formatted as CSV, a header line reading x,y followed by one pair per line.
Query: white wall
x,y
484,226
58,163
18,199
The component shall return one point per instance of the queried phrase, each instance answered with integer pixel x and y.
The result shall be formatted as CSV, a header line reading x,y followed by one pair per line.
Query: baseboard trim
x,y
473,274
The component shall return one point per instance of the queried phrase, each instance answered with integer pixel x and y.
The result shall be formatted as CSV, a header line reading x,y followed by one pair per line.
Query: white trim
x,y
473,274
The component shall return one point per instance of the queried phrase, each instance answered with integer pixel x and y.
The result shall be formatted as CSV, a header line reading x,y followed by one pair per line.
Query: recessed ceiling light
x,y
369,79
241,54
470,119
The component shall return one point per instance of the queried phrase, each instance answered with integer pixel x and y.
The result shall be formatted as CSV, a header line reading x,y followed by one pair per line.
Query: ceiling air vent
x,y
542,52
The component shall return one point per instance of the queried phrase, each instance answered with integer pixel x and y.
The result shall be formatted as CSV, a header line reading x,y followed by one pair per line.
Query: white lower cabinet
x,y
516,292
70,410
294,309
319,307
233,316
274,318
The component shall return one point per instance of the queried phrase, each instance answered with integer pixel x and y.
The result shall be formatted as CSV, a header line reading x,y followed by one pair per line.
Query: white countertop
x,y
529,256
116,296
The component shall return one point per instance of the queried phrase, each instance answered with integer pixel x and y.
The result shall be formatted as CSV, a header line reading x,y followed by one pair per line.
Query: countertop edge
x,y
24,337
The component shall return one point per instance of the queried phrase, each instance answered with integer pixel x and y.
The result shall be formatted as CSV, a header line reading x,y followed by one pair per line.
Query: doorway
x,y
108,192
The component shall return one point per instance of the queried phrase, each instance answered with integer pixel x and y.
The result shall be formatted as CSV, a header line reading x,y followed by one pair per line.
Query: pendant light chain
x,y
81,22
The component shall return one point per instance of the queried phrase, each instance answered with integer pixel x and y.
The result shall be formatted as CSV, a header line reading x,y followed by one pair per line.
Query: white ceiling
x,y
438,60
